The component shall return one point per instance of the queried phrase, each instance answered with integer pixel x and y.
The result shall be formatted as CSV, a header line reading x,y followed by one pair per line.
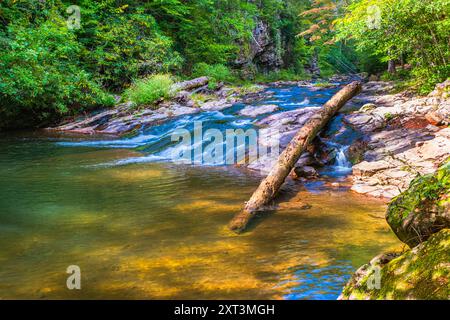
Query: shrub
x,y
40,75
281,75
216,73
124,43
148,90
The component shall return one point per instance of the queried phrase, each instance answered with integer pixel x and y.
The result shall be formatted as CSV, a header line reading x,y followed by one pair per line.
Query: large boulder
x,y
423,209
420,273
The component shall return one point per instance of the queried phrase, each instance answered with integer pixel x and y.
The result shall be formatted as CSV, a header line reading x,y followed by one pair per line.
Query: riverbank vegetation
x,y
56,60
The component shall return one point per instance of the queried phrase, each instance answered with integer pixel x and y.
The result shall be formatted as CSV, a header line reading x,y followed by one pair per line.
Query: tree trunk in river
x,y
191,84
286,161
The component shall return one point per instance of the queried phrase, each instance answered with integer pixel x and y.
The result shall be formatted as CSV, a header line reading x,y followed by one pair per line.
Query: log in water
x,y
272,183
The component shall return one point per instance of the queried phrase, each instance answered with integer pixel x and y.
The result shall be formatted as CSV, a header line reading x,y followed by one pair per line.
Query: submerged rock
x,y
423,209
305,172
420,273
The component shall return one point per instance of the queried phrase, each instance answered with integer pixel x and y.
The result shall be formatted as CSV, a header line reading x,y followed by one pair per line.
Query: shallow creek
x,y
140,226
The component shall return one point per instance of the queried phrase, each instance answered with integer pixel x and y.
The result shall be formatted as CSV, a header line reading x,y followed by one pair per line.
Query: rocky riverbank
x,y
127,118
404,135
420,217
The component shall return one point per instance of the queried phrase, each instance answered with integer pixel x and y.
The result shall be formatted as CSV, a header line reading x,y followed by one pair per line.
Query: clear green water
x,y
154,230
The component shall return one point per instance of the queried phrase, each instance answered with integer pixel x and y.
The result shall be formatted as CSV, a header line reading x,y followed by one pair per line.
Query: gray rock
x,y
254,111
216,105
305,172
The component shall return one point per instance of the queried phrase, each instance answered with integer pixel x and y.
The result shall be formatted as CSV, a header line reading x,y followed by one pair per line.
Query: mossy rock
x,y
423,209
421,273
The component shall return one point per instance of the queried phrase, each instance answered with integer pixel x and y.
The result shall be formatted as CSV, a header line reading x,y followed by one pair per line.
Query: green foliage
x,y
149,90
426,196
282,75
417,274
48,70
122,42
416,32
215,30
216,73
41,78
389,116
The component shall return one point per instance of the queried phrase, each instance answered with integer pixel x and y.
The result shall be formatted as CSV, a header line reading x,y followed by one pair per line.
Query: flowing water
x,y
140,226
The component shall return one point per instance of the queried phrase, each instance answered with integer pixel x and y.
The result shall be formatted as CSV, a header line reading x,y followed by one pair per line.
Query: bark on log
x,y
191,84
289,157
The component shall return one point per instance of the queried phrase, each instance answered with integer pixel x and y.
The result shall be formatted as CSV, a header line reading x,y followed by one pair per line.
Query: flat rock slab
x,y
216,105
254,111
395,155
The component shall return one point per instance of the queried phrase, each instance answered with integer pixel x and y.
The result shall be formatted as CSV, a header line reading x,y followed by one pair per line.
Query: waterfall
x,y
341,158
341,163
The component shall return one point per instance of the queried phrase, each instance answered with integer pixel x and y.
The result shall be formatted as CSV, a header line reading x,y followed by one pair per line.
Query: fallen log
x,y
190,84
289,157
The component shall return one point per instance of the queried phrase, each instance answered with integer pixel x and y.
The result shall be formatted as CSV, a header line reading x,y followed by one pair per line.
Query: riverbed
x,y
142,227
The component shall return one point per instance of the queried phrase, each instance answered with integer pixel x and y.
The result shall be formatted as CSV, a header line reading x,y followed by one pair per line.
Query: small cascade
x,y
341,165
341,158
156,144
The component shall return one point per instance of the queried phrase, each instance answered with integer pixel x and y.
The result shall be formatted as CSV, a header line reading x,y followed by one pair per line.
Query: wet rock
x,y
125,118
178,110
305,172
356,151
254,111
307,159
182,97
420,273
288,120
423,209
89,123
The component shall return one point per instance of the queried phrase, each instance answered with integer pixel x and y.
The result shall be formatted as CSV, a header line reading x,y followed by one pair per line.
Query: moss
x,y
409,213
419,273
200,98
323,85
249,88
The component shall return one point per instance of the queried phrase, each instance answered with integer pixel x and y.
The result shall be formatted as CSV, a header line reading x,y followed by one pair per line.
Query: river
x,y
142,227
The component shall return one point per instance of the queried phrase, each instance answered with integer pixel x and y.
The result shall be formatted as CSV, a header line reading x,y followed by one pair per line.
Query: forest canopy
x,y
52,65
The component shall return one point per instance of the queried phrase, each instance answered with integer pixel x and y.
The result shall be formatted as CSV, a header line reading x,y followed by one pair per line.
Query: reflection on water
x,y
155,230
